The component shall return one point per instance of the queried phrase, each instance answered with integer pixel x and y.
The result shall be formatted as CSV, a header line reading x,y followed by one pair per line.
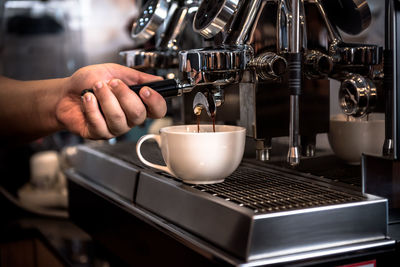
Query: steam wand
x,y
293,157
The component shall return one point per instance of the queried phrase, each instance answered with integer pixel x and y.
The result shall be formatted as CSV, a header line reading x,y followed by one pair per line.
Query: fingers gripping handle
x,y
166,88
148,163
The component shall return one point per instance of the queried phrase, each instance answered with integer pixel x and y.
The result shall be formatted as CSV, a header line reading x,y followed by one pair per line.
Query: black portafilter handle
x,y
166,88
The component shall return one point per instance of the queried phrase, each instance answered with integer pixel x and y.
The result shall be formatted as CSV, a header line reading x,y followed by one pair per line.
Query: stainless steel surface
x,y
243,24
381,177
310,150
252,221
391,68
219,65
268,191
211,251
238,54
263,154
115,174
317,65
153,16
213,16
355,54
247,95
171,38
387,149
251,41
263,150
266,102
295,43
227,64
257,214
143,60
332,32
293,156
357,96
170,32
201,102
269,65
351,16
251,45
381,174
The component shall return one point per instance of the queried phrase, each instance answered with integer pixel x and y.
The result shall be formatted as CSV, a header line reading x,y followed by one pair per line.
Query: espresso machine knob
x,y
357,95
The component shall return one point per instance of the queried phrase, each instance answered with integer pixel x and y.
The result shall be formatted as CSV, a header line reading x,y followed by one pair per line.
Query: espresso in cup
x,y
203,157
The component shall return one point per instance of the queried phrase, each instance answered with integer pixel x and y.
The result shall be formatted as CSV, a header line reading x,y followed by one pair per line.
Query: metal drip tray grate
x,y
266,192
255,213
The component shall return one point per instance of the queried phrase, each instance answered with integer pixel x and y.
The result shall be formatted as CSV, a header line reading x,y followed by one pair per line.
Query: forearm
x,y
33,109
27,108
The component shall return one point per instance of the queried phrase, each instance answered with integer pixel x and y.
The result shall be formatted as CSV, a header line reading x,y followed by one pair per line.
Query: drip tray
x,y
266,192
256,213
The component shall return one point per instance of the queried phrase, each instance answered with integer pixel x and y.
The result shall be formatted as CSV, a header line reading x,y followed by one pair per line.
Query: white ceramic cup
x,y
44,168
351,137
198,158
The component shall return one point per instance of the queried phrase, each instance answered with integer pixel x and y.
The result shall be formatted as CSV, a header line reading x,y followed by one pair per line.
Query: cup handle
x,y
142,159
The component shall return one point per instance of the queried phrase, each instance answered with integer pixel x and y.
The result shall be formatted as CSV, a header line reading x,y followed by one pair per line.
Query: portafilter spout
x,y
204,100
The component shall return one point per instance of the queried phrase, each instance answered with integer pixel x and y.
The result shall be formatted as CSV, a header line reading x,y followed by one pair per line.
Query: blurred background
x,y
52,39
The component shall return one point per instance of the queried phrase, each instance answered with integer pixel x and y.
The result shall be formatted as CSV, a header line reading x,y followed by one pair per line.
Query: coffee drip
x,y
198,122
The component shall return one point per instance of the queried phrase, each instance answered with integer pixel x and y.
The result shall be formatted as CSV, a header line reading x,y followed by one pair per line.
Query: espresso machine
x,y
265,65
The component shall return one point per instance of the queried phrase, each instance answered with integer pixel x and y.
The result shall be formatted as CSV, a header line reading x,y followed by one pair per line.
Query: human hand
x,y
121,108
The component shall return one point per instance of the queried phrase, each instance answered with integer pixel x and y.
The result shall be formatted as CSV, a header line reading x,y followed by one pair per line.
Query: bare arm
x,y
32,109
27,108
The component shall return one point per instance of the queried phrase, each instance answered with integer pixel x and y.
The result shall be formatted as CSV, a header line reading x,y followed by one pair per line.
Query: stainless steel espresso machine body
x,y
284,83
265,65
163,30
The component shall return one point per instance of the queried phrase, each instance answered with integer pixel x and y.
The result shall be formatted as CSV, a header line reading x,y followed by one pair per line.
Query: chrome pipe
x,y
250,15
295,74
293,157
295,29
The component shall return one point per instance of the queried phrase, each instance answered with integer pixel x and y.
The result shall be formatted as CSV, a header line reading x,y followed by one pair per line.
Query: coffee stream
x,y
213,120
198,122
